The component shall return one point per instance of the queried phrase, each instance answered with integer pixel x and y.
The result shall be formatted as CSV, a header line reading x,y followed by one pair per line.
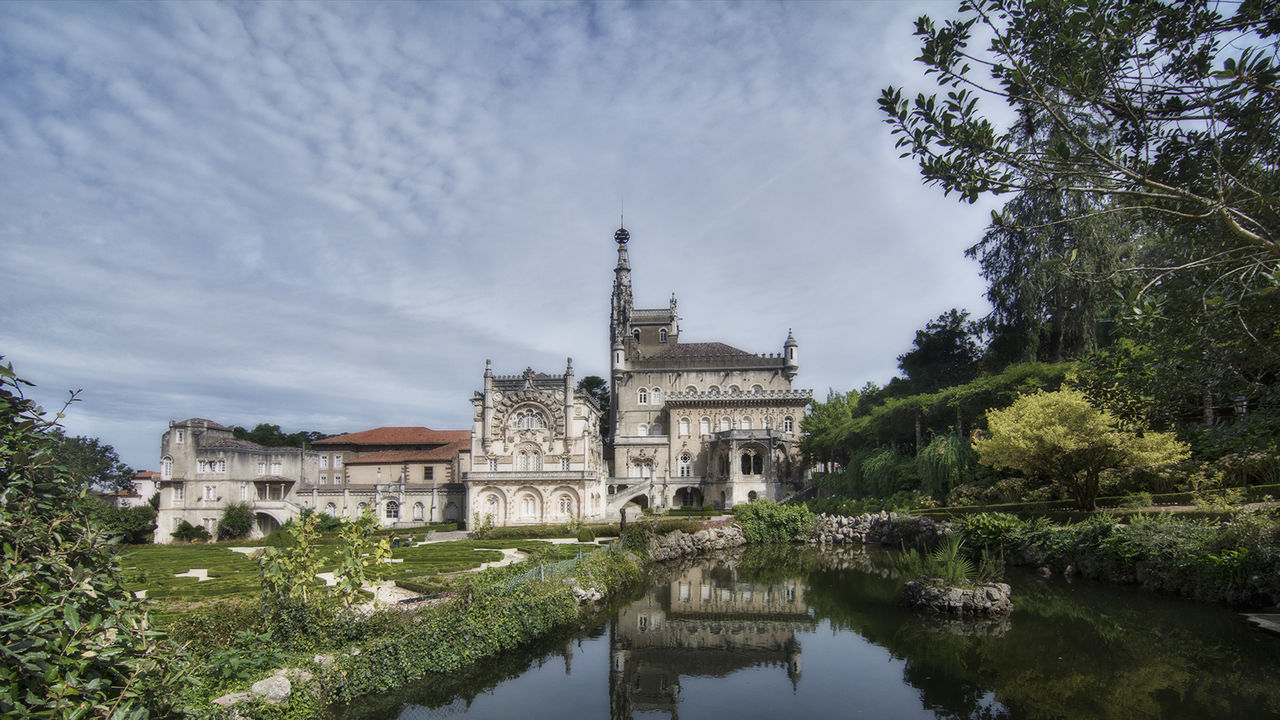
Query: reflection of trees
x,y
1078,650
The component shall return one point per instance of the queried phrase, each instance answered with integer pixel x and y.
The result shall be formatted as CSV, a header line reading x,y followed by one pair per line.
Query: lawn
x,y
235,575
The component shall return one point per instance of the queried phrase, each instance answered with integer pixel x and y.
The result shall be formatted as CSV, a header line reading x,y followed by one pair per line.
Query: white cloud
x,y
328,215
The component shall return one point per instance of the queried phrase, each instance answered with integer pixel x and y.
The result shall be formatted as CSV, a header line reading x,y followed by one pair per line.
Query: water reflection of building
x,y
704,623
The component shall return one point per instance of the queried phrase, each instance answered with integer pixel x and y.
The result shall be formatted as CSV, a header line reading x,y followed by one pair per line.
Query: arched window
x,y
657,396
691,389
757,389
636,334
704,426
655,429
684,427
566,505
166,468
522,461
662,334
528,506
752,463
331,510
418,511
725,424
787,424
642,396
746,423
393,510
686,465
528,461
535,462
642,429
530,419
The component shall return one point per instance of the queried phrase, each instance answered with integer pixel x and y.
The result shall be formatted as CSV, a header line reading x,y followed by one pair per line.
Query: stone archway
x,y
265,524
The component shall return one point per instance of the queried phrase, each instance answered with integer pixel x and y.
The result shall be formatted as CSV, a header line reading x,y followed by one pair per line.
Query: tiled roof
x,y
200,422
398,436
443,453
704,349
146,475
235,444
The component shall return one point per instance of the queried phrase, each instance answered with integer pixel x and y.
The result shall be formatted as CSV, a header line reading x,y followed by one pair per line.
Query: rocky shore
x,y
679,544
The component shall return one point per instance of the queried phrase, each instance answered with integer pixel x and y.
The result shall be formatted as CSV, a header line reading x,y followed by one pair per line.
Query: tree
x,y
1061,436
237,521
272,436
76,641
598,389
1167,108
946,353
91,462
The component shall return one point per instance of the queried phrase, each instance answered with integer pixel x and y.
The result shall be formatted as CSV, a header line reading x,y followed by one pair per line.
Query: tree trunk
x,y
1207,399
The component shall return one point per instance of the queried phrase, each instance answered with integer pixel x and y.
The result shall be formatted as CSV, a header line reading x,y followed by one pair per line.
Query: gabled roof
x,y
702,349
146,475
398,436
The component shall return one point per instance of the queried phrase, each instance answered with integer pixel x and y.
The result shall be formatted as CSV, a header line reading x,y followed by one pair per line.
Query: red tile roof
x,y
399,436
146,475
444,453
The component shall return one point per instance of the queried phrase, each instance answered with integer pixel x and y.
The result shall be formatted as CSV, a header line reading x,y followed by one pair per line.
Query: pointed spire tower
x,y
620,315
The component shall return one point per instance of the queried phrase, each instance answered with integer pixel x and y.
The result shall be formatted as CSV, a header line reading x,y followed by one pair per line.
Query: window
x,y
180,436
493,464
262,468
564,463
428,473
686,465
166,468
655,429
691,389
746,423
704,426
752,463
684,427
530,419
222,466
528,506
657,396
418,511
636,334
202,466
393,510
725,424
178,493
566,505
787,424
734,389
324,462
275,468
379,478
662,334
244,492
210,492
642,396
643,470
337,460
642,429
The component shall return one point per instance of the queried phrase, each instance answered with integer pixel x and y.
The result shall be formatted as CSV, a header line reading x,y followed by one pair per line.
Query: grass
x,y
235,575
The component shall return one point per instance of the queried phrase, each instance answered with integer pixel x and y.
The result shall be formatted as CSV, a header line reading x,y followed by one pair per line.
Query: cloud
x,y
328,215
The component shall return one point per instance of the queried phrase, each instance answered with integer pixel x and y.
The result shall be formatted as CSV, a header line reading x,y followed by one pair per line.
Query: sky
x,y
327,216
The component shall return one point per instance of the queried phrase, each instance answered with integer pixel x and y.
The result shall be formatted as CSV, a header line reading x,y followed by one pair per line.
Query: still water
x,y
788,632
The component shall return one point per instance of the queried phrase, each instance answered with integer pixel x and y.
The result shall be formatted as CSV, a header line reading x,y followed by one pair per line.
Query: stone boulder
x,y
678,544
989,600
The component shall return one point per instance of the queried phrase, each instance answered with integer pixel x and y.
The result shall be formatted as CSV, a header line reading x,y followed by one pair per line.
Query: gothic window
x,y
684,427
418,511
535,462
166,468
642,396
686,465
704,426
746,423
564,464
752,463
657,396
530,419
724,466
528,506
787,424
662,334
566,505
393,510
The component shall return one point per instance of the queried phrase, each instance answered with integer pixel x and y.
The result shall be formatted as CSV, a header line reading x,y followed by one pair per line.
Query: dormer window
x,y
662,334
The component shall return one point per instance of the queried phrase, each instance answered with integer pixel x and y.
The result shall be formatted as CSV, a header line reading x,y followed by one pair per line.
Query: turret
x,y
487,418
568,401
790,359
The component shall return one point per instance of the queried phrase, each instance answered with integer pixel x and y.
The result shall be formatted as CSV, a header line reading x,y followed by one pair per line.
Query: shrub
x,y
237,522
186,532
585,535
989,531
765,521
946,462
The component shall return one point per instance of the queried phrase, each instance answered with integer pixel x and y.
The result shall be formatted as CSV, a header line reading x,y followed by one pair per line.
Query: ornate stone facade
x,y
536,452
696,423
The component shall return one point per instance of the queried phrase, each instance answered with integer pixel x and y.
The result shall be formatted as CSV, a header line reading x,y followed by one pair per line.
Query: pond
x,y
795,632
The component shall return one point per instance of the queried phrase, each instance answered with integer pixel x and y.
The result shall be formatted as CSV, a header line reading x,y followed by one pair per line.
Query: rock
x,y
273,691
986,600
231,699
324,661
1045,571
1070,570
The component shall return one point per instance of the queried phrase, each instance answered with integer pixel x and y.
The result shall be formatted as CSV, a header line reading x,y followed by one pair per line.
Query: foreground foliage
x,y
75,642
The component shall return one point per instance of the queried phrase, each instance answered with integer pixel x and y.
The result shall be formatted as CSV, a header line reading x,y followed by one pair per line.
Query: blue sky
x,y
328,215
